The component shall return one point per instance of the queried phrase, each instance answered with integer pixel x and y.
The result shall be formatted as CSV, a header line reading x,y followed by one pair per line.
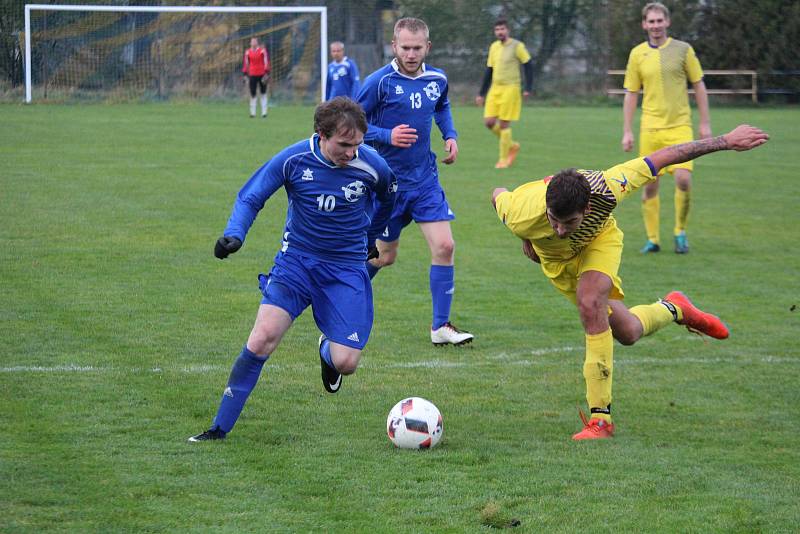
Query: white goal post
x,y
321,10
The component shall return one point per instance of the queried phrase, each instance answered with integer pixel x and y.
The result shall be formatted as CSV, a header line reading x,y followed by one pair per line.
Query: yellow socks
x,y
496,129
651,211
505,143
652,316
598,369
682,202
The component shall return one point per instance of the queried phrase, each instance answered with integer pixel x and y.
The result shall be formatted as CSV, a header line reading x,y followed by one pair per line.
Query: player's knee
x,y
444,250
489,123
626,336
347,362
263,342
590,307
683,181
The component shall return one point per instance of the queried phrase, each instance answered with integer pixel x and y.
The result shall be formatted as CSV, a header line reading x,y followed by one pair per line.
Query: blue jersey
x,y
330,213
343,79
390,98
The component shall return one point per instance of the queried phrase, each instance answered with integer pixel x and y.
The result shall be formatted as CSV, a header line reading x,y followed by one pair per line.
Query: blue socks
x,y
442,279
325,353
244,376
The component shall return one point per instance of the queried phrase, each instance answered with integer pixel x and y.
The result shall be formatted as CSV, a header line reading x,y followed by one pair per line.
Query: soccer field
x,y
119,328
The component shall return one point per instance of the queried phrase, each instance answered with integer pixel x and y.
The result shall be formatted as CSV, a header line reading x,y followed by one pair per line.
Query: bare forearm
x,y
701,99
628,110
672,155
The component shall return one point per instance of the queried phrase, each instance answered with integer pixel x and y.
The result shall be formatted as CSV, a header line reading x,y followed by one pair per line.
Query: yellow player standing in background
x,y
504,101
661,66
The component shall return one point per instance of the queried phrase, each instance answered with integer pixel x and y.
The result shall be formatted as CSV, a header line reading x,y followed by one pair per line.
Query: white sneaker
x,y
447,334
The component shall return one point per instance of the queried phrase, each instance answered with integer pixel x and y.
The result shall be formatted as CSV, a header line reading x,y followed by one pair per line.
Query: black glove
x,y
226,245
372,252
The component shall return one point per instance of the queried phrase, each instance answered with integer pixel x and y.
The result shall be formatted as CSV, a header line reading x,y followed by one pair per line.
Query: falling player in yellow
x,y
566,225
661,67
504,102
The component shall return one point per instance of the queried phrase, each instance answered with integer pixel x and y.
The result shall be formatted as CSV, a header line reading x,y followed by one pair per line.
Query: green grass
x,y
118,328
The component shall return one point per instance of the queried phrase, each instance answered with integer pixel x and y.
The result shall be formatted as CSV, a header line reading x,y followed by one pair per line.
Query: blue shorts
x,y
419,205
340,295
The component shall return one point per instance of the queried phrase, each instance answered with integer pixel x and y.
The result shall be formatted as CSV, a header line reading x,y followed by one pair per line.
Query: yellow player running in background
x,y
661,66
566,225
504,101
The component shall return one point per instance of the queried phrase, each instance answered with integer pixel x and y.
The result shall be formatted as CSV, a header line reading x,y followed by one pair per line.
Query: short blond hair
x,y
413,25
655,5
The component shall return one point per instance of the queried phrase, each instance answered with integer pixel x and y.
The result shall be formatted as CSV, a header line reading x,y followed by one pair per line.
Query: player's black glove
x,y
372,252
226,245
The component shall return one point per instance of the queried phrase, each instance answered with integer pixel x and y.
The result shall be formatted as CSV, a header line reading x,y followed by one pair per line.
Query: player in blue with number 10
x,y
333,182
401,101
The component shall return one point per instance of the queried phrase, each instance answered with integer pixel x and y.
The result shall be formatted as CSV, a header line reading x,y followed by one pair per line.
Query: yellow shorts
x,y
503,102
603,254
651,140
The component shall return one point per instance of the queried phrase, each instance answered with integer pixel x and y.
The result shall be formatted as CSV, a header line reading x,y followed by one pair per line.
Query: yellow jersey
x,y
524,210
505,59
663,72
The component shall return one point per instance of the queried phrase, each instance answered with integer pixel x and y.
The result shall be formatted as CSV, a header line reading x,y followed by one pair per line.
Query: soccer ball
x,y
414,423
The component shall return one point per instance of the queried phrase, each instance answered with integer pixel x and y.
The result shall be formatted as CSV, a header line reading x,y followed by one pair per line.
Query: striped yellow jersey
x,y
524,210
505,59
663,72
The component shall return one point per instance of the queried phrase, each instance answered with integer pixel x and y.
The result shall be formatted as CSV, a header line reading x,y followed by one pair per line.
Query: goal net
x,y
162,52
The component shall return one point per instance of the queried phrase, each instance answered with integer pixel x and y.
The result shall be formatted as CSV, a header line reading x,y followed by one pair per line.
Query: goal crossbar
x,y
321,10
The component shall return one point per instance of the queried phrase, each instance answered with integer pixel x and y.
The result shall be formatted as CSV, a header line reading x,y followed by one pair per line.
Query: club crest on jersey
x,y
354,190
432,91
308,174
622,183
398,89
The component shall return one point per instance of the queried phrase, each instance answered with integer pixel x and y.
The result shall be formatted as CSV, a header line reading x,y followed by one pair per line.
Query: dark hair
x,y
339,114
567,193
501,22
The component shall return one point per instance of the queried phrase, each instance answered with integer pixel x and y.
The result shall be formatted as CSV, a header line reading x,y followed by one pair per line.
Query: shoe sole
x,y
591,438
194,440
445,343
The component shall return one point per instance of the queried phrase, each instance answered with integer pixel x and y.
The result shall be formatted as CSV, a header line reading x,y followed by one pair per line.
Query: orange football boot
x,y
696,320
594,429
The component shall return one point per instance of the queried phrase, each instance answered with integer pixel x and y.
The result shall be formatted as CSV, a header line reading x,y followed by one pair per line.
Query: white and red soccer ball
x,y
414,423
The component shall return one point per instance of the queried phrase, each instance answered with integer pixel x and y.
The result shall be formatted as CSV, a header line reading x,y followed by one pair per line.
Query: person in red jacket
x,y
255,68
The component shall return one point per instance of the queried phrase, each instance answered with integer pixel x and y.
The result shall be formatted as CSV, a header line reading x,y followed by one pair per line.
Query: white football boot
x,y
447,334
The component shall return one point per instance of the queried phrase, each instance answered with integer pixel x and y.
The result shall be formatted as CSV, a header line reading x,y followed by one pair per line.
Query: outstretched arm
x,y
743,137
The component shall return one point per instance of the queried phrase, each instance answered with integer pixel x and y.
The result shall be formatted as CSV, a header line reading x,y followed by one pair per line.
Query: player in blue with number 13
x,y
333,182
401,101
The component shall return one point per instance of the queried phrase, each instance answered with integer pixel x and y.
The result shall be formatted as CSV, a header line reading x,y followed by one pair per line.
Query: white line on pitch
x,y
512,359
